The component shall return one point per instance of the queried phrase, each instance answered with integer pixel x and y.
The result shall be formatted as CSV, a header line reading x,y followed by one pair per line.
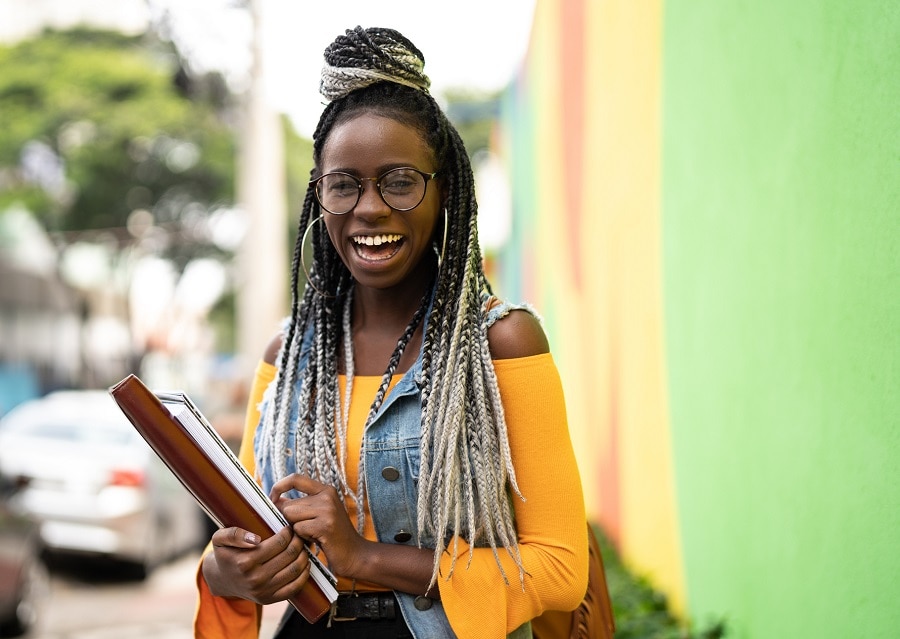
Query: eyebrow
x,y
379,171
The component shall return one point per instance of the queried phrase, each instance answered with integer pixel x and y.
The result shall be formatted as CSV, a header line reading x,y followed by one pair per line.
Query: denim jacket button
x,y
422,603
390,473
402,536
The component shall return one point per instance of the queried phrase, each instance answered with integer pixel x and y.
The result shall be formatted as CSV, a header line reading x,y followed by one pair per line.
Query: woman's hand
x,y
264,571
320,517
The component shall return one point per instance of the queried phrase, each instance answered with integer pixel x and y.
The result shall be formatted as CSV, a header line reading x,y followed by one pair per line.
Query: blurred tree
x,y
298,152
97,125
474,114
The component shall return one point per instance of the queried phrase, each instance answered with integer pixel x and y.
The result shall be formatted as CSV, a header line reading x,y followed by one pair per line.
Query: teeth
x,y
376,240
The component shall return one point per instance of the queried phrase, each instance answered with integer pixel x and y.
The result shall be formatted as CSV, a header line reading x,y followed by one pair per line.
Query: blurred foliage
x,y
298,152
221,318
474,114
97,124
641,612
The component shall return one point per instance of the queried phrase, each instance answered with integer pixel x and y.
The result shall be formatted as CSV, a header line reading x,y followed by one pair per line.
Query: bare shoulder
x,y
273,347
517,334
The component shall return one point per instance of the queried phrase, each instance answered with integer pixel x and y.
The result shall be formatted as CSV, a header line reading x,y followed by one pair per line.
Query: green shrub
x,y
640,611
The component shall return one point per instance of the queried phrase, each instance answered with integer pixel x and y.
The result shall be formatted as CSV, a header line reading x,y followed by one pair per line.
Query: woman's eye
x,y
398,183
342,187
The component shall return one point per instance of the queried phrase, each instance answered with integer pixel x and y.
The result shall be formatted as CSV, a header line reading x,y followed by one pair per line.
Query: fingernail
x,y
250,538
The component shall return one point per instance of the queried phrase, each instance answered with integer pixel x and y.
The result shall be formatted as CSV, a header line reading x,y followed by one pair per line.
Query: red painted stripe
x,y
608,460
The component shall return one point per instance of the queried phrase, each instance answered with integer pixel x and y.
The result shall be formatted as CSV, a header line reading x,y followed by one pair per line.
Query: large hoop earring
x,y
303,257
440,254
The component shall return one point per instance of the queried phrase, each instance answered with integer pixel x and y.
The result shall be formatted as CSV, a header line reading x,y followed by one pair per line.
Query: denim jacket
x,y
392,463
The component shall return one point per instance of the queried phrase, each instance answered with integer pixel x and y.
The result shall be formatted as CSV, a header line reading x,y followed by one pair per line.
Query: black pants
x,y
294,626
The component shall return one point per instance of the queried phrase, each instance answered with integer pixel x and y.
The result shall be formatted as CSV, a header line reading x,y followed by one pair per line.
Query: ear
x,y
445,191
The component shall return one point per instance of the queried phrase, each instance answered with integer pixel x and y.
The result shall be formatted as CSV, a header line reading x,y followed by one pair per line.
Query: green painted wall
x,y
781,240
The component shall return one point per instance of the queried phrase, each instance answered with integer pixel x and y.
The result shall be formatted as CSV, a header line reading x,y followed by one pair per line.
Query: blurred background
x,y
702,199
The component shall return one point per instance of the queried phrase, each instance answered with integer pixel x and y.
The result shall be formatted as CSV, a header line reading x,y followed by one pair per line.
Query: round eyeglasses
x,y
402,189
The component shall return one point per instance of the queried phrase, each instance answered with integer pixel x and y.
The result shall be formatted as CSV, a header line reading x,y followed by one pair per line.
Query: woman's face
x,y
382,247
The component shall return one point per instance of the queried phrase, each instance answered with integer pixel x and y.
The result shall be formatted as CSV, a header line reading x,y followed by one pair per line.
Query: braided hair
x,y
466,474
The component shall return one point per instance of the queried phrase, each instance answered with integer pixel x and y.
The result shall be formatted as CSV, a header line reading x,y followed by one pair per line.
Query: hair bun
x,y
362,57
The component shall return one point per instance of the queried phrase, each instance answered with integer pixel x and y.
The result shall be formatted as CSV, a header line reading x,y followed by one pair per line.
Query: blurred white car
x,y
94,484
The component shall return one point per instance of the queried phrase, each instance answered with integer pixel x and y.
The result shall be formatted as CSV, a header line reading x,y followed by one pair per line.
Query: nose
x,y
370,203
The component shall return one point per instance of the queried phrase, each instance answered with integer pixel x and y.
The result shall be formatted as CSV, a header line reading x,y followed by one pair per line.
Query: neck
x,y
379,320
388,310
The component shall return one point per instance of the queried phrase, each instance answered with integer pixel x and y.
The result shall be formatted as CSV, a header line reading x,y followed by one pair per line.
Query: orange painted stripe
x,y
572,105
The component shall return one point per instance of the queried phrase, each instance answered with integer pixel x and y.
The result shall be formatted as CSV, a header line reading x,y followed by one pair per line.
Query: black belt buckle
x,y
365,605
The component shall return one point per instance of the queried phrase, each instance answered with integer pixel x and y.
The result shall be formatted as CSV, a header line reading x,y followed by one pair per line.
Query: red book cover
x,y
205,465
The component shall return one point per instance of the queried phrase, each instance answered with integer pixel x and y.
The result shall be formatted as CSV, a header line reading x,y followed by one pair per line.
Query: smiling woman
x,y
405,419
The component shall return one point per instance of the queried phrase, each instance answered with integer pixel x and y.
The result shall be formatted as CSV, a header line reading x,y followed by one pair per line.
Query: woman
x,y
409,425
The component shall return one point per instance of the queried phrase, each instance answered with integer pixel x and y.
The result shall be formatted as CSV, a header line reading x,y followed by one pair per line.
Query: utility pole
x,y
262,266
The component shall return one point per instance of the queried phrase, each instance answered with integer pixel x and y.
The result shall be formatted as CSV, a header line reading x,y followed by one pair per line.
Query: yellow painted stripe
x,y
622,207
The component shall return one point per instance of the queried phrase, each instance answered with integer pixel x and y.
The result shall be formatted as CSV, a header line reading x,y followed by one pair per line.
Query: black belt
x,y
365,605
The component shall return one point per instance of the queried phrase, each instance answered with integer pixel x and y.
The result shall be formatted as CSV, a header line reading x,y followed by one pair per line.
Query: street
x,y
94,601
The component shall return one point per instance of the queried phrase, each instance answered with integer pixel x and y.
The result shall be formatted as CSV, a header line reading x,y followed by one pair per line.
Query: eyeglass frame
x,y
428,177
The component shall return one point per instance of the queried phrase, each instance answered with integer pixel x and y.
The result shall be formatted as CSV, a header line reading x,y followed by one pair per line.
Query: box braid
x,y
466,472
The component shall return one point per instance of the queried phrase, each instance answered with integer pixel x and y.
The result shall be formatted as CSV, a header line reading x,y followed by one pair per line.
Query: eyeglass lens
x,y
401,189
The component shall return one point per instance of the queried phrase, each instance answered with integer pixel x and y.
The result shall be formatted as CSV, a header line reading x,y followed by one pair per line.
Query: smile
x,y
377,247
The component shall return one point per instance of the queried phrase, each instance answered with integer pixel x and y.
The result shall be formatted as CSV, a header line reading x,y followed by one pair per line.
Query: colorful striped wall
x,y
706,207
